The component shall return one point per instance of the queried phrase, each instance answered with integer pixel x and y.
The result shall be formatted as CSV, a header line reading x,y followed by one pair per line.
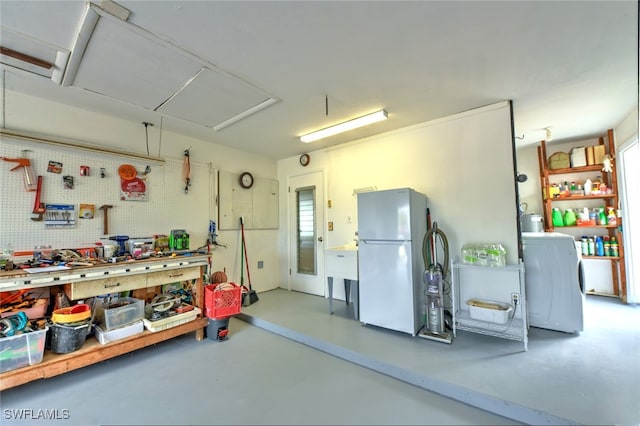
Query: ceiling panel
x,y
122,64
213,98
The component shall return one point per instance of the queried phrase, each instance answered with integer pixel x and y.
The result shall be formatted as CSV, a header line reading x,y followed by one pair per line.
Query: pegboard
x,y
166,207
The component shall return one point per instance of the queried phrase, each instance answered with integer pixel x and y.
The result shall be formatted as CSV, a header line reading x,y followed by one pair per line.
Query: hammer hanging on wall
x,y
105,208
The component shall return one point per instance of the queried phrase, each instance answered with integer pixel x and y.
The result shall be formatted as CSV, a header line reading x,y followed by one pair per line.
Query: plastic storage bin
x,y
105,337
33,302
487,310
120,313
22,350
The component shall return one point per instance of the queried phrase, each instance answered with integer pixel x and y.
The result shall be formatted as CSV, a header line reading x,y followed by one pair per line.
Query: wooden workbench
x,y
85,282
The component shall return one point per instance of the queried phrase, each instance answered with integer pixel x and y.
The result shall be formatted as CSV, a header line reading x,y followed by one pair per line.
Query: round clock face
x,y
305,159
246,180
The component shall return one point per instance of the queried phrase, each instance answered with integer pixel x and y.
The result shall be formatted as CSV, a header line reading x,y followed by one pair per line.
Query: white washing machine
x,y
553,281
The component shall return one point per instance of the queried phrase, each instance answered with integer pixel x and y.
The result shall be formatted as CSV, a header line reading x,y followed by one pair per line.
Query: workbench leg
x,y
199,301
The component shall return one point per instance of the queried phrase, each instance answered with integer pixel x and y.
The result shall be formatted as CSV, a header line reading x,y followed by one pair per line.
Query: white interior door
x,y
306,233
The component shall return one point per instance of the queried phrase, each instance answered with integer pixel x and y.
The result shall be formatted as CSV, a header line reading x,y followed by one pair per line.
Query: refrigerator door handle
x,y
388,242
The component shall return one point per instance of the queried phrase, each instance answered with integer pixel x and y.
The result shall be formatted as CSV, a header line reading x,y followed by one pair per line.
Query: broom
x,y
252,296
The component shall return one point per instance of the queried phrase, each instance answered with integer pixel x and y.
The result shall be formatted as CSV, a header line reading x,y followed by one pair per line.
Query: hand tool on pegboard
x,y
186,171
38,206
28,177
105,208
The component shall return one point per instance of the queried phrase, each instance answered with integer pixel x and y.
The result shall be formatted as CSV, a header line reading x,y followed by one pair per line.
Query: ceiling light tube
x,y
244,114
346,126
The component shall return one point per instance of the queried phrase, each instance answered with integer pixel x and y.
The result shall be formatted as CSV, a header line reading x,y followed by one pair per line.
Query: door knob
x,y
320,239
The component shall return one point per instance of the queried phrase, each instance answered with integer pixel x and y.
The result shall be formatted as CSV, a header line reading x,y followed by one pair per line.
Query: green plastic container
x,y
569,218
556,217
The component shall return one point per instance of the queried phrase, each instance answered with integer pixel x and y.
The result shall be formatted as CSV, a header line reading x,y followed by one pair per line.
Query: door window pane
x,y
306,230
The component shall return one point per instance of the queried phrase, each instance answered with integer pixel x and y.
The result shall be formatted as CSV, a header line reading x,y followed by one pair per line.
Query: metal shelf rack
x,y
490,283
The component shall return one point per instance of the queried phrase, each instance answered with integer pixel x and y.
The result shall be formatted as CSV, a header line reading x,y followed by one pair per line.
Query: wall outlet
x,y
515,298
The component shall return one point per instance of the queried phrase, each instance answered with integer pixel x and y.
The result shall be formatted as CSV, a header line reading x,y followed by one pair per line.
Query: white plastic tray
x,y
105,337
497,316
173,321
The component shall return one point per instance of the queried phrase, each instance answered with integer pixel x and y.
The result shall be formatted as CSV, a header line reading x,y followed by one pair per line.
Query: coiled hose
x,y
427,256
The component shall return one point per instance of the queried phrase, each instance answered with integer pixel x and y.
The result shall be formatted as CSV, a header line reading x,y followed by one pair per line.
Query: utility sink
x,y
342,262
351,247
341,265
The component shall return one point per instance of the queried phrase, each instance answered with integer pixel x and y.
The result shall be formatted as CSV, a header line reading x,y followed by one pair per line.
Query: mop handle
x,y
246,258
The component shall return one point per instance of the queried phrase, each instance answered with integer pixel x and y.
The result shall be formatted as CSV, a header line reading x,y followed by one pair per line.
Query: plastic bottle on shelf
x,y
584,245
614,247
587,187
593,217
556,217
603,188
603,217
599,247
611,216
591,247
569,218
607,245
584,216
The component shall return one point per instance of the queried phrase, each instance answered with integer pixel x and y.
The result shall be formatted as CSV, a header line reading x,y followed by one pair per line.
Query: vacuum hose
x,y
427,256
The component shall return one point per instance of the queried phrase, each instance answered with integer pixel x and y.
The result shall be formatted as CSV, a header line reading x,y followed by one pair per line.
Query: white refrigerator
x,y
553,281
391,227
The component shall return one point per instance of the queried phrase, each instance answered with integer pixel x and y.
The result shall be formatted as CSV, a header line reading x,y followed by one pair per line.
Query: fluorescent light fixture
x,y
346,126
365,189
252,110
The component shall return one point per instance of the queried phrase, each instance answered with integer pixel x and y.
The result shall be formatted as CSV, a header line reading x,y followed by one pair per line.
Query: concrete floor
x,y
300,365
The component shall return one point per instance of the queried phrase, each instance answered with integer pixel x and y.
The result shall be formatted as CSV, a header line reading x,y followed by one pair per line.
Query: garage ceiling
x,y
257,75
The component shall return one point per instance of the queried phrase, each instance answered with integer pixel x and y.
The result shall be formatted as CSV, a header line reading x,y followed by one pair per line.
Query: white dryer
x,y
553,281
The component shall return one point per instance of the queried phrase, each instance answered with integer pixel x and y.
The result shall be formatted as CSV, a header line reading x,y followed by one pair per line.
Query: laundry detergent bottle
x,y
569,218
556,217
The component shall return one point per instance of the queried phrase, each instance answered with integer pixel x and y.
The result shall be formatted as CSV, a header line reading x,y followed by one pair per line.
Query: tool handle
x,y
38,206
28,177
22,162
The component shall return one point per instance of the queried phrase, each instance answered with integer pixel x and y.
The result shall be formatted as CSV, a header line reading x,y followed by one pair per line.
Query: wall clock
x,y
246,180
305,159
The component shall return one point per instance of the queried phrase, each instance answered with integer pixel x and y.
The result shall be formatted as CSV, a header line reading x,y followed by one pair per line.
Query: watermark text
x,y
36,414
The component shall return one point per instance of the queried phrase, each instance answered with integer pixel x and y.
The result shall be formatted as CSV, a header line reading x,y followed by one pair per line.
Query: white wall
x,y
35,115
463,163
628,128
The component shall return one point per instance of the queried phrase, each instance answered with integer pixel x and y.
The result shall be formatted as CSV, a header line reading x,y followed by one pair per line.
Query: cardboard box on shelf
x,y
578,156
590,156
598,154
